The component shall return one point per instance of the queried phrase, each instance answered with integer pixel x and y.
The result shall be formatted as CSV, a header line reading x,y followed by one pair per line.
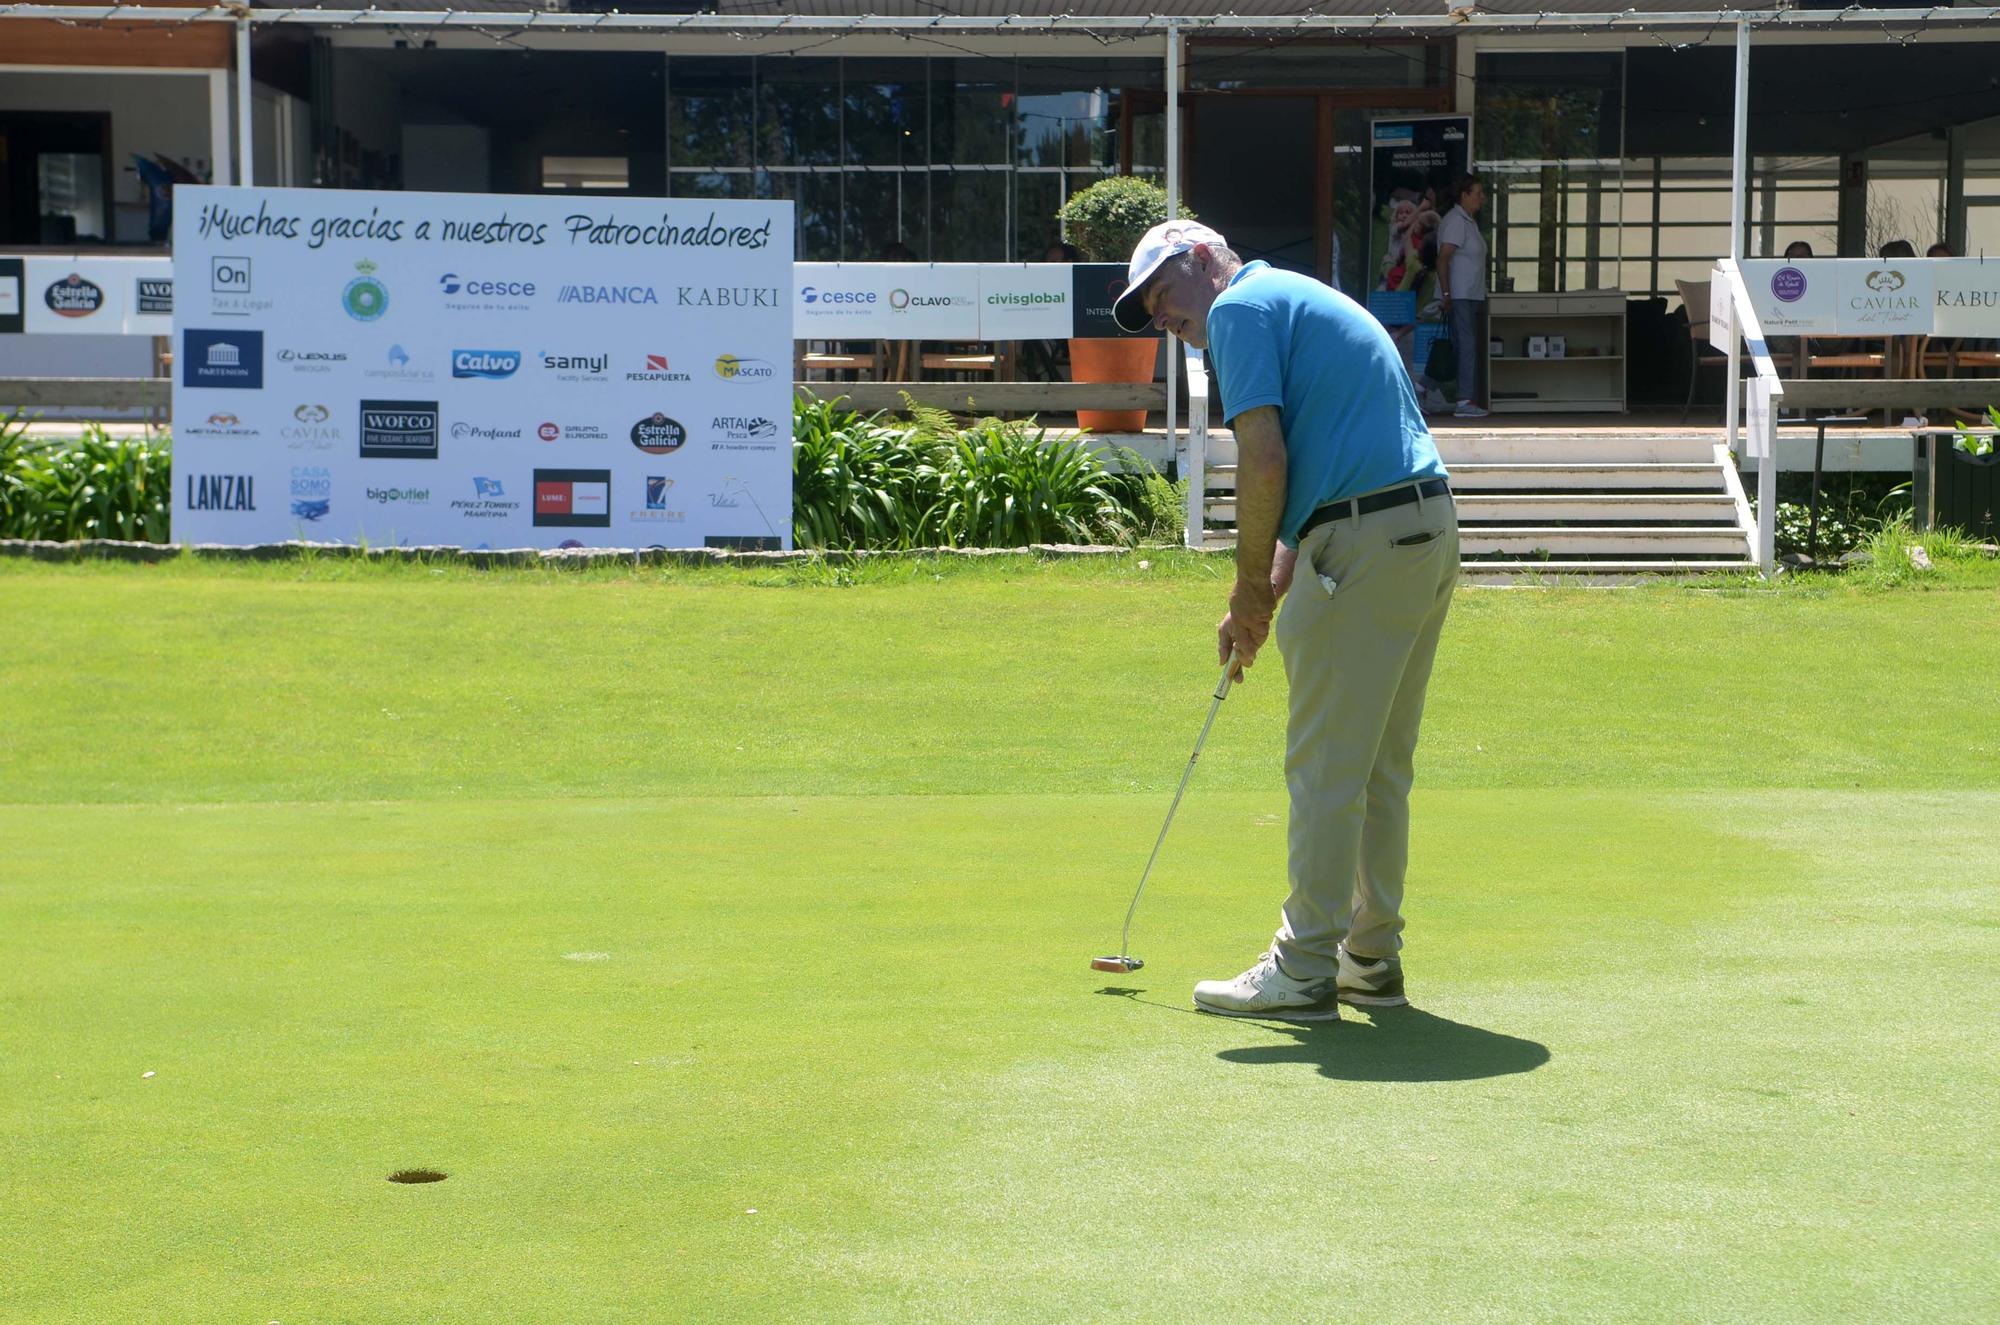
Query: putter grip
x,y
1228,670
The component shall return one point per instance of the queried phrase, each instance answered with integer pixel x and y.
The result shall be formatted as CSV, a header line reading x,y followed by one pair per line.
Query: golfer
x,y
1338,479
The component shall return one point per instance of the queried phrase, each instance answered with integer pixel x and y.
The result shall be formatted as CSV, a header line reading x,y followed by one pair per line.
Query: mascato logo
x,y
74,296
399,430
656,370
569,367
462,431
221,492
311,429
659,435
489,501
731,368
312,492
492,365
220,424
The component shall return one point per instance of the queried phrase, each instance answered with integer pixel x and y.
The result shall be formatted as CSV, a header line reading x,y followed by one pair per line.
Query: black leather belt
x,y
1374,501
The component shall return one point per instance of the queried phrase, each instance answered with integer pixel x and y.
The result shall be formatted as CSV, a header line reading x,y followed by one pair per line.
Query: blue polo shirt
x,y
1344,399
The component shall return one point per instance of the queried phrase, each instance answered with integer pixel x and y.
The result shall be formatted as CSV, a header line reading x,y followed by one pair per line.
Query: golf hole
x,y
416,1175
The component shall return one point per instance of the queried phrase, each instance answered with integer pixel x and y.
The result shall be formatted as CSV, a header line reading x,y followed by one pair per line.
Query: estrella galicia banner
x,y
475,370
1414,162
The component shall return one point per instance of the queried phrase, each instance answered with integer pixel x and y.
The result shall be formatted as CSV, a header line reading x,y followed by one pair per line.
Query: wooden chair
x,y
997,361
835,358
1694,300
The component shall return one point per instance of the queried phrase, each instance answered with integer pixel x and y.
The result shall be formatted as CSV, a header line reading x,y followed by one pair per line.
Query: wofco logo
x,y
657,371
221,492
312,492
73,296
659,435
607,294
155,296
399,430
493,365
465,431
732,369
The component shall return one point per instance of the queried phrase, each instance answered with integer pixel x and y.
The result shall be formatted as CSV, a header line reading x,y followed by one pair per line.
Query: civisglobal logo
x,y
489,364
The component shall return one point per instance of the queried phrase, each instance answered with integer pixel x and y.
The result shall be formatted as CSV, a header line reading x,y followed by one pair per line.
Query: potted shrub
x,y
1106,221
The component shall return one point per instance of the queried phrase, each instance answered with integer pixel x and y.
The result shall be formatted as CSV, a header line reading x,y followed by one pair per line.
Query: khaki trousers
x,y
1359,631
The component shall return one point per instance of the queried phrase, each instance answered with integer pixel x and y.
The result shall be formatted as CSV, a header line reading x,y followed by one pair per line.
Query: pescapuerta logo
x,y
366,299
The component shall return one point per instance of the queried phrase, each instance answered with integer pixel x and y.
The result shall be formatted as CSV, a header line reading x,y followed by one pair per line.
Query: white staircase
x,y
1610,502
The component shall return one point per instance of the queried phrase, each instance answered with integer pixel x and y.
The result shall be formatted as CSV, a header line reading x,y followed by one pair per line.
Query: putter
x,y
1124,962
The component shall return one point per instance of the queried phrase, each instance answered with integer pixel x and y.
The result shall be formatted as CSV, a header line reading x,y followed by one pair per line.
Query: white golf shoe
x,y
1371,982
1266,991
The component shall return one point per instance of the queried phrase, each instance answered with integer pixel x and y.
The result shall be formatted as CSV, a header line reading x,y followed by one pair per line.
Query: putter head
x,y
1122,965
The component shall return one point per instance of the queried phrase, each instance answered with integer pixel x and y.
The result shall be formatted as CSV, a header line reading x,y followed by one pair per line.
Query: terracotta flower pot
x,y
1113,359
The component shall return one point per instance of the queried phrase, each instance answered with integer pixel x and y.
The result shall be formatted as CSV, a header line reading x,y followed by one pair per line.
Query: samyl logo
x,y
576,367
221,492
732,369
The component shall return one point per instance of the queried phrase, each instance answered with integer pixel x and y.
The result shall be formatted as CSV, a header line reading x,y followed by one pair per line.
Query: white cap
x,y
1169,239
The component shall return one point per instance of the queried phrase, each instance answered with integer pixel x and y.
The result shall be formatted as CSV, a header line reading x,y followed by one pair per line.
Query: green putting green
x,y
723,939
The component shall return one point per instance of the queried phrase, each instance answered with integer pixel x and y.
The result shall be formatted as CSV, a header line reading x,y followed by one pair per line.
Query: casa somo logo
x,y
221,492
228,359
312,492
573,498
492,365
659,435
366,299
399,430
730,368
73,296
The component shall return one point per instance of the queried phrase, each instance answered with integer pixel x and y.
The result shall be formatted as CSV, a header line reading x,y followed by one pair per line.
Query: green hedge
x,y
92,487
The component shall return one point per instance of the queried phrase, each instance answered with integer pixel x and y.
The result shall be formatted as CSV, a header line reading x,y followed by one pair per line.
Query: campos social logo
x,y
221,492
312,492
659,435
366,299
73,296
399,429
573,498
607,294
229,359
656,370
730,368
493,365
812,294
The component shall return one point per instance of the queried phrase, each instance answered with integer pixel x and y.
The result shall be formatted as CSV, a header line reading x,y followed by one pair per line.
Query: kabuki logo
x,y
73,296
365,298
1788,284
659,435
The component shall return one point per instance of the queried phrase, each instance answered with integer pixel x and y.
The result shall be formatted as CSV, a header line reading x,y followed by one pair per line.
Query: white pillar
x,y
246,159
1197,481
219,168
1739,195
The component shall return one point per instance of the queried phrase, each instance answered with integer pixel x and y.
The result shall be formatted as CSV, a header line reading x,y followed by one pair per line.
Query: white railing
x,y
1733,326
1194,454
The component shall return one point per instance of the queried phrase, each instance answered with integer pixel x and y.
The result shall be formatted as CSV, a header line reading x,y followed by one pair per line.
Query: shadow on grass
x,y
1399,1044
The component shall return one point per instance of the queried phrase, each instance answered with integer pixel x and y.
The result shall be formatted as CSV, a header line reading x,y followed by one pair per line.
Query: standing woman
x,y
1462,290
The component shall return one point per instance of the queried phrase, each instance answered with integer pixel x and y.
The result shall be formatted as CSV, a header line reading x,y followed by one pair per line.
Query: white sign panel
x,y
886,300
1758,435
1967,299
1890,298
1792,298
481,371
87,295
1721,312
1876,297
1029,302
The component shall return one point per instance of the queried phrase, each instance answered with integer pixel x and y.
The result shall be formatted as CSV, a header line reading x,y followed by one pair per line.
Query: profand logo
x,y
227,359
312,492
462,431
659,435
366,298
730,368
399,429
74,296
492,365
221,492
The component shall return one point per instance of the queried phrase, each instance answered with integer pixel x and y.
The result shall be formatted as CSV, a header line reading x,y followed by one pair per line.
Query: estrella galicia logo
x,y
233,359
312,492
730,368
493,365
366,299
573,498
73,296
659,435
399,430
221,492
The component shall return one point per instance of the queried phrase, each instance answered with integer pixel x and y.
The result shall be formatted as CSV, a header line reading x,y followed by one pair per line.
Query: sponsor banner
x,y
92,296
475,370
1875,296
1031,302
954,300
1413,163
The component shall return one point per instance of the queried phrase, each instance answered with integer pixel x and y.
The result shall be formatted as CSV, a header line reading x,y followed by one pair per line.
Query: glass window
x,y
1548,131
885,207
710,111
885,118
586,172
798,112
972,112
1037,196
1287,62
713,183
969,216
71,186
